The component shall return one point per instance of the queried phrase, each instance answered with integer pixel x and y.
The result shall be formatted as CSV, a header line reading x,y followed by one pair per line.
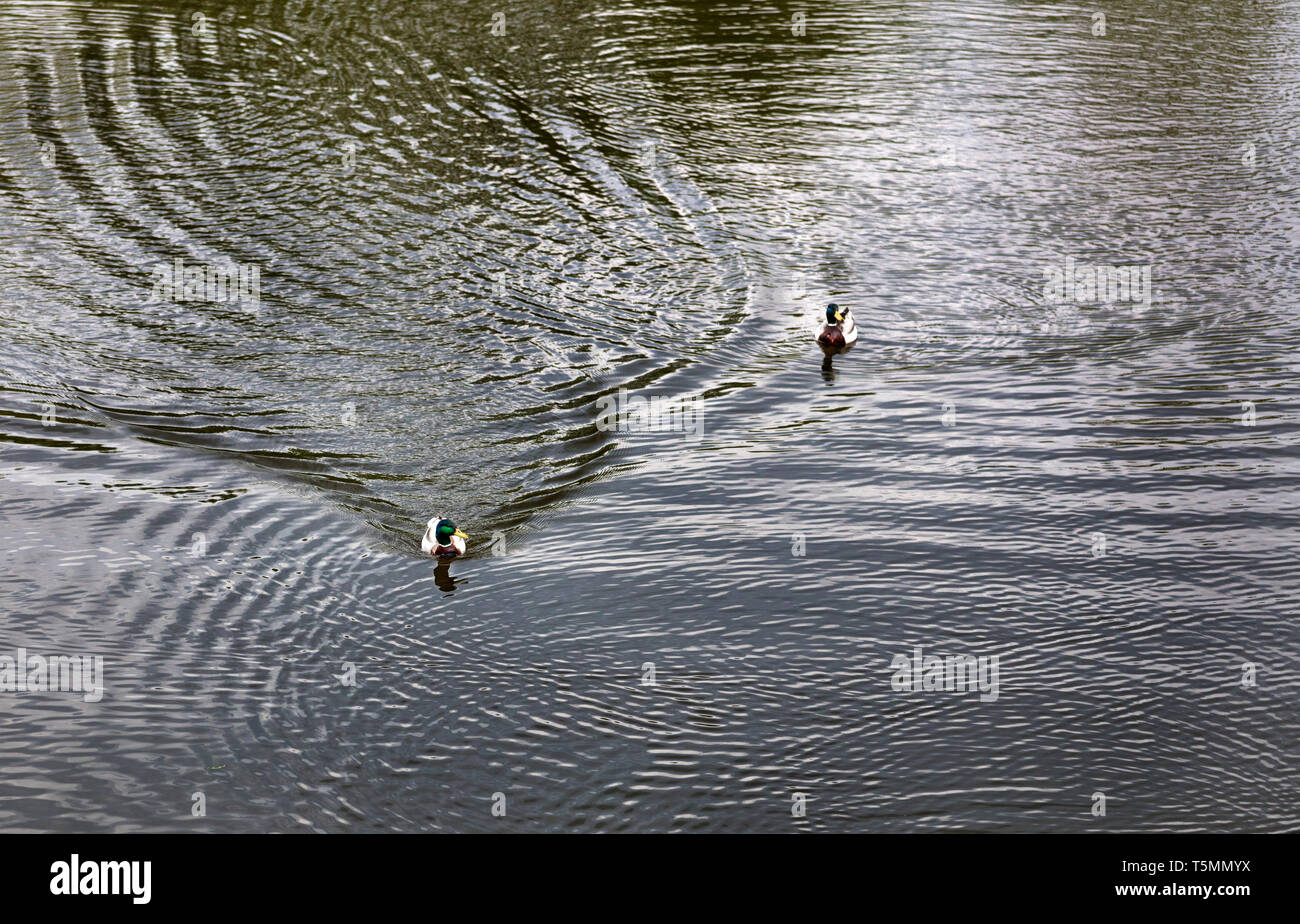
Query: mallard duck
x,y
840,332
443,540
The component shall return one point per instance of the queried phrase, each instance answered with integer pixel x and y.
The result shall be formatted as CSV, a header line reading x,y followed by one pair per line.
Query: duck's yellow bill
x,y
459,533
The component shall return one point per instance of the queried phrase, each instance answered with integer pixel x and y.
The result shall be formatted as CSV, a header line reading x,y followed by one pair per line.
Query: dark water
x,y
465,240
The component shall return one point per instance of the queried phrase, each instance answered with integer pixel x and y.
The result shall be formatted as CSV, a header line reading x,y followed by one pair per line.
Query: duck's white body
x,y
429,545
850,329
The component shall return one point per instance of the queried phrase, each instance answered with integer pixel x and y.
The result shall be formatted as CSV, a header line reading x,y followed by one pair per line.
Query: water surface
x,y
470,230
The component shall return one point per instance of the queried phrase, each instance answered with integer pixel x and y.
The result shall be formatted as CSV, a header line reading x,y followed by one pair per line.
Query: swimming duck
x,y
443,540
840,332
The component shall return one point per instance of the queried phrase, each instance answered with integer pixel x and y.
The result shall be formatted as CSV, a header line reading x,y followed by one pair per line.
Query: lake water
x,y
422,248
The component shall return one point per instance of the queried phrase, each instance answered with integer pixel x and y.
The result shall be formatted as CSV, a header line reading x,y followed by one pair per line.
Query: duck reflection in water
x,y
442,577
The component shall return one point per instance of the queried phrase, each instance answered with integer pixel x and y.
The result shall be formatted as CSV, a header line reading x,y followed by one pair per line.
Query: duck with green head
x,y
443,540
840,333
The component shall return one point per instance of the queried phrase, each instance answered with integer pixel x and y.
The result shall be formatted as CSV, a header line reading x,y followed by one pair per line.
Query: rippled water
x,y
474,228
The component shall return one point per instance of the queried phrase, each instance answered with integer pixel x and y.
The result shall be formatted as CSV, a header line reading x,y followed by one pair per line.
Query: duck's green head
x,y
834,313
445,530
